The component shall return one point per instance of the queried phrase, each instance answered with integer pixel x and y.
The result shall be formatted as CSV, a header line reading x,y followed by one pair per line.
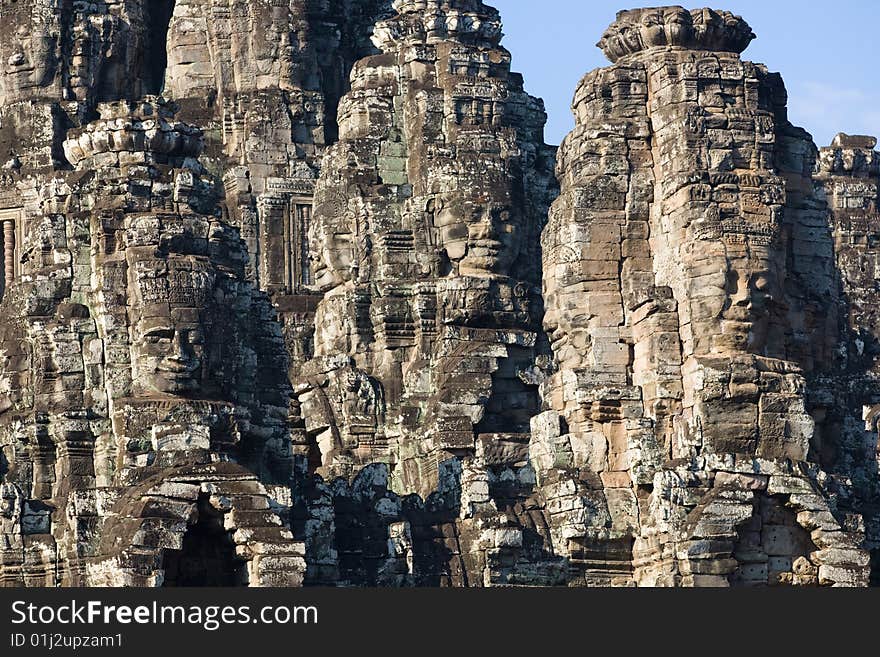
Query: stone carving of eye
x,y
159,335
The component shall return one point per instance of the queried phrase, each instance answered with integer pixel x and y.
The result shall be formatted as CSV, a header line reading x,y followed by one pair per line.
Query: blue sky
x,y
827,53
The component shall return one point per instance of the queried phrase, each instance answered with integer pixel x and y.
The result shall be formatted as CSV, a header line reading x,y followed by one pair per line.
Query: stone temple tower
x,y
425,237
688,275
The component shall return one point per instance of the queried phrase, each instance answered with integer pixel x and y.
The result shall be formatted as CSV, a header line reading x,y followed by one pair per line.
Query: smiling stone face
x,y
169,308
331,241
172,353
483,238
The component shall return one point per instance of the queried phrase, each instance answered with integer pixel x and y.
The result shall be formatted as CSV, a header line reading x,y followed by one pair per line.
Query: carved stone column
x,y
9,250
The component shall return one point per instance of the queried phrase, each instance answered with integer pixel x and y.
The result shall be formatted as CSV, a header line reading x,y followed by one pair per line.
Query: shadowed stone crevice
x,y
207,557
362,534
159,13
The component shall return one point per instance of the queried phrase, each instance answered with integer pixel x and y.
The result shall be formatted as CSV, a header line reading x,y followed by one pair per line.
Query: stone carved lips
x,y
699,29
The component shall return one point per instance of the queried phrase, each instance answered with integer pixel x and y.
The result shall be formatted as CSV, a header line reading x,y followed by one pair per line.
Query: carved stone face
x,y
169,309
171,354
566,319
20,60
30,59
482,238
750,294
334,260
331,329
652,30
679,26
331,244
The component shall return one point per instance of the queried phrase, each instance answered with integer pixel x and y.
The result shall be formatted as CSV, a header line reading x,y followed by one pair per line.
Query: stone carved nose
x,y
180,358
179,348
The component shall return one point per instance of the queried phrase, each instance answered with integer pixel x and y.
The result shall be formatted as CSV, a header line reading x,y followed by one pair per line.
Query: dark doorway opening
x,y
208,554
159,13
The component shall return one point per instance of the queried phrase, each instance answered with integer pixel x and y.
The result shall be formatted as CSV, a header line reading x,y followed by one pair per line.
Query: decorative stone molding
x,y
640,30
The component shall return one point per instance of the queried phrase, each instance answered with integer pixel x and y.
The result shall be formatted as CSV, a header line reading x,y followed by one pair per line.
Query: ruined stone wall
x,y
425,244
85,52
846,437
265,80
136,345
292,294
63,57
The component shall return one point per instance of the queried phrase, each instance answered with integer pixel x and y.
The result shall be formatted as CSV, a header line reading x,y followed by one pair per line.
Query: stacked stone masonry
x,y
294,293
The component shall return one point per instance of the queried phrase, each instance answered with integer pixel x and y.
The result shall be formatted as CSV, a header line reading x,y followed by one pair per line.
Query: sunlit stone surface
x,y
293,296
